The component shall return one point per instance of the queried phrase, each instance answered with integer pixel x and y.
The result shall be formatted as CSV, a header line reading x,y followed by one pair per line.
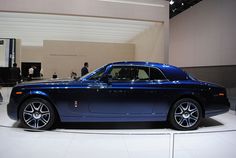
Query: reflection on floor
x,y
215,138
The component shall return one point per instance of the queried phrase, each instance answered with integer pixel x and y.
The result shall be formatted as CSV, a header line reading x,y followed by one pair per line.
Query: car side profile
x,y
120,92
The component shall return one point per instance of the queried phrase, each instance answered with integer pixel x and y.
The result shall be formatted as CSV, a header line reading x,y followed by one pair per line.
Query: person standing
x,y
41,72
31,72
84,70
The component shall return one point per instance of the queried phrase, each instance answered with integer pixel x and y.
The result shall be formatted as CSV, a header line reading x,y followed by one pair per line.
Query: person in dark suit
x,y
15,74
84,70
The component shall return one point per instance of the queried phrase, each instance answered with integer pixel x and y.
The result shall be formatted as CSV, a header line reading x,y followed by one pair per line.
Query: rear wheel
x,y
37,113
185,114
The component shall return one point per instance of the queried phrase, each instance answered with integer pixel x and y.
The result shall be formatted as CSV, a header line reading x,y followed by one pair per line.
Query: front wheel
x,y
37,113
185,114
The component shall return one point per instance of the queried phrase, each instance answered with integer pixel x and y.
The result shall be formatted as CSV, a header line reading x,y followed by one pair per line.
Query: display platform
x,y
215,138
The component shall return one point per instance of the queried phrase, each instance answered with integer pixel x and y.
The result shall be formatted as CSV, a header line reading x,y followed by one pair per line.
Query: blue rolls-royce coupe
x,y
120,92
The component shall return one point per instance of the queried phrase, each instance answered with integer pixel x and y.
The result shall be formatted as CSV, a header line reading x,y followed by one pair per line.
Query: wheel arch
x,y
41,97
191,97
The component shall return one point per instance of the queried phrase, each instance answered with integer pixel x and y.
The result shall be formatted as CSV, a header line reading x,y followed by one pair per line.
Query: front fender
x,y
18,101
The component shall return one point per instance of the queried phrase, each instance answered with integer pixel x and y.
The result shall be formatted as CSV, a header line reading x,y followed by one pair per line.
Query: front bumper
x,y
12,110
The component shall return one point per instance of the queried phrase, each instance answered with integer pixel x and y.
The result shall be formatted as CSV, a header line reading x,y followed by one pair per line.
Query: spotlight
x,y
172,2
182,4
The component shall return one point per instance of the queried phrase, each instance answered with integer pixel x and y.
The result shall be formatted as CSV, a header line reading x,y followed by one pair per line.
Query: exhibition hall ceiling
x,y
178,6
32,29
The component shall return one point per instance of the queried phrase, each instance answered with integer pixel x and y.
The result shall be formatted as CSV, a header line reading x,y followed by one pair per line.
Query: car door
x,y
130,92
74,99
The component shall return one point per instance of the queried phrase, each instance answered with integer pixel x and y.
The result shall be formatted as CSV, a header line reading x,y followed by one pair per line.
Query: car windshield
x,y
94,74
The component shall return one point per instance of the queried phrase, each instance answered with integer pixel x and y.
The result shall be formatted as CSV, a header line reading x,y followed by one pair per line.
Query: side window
x,y
122,73
155,74
98,74
142,73
128,73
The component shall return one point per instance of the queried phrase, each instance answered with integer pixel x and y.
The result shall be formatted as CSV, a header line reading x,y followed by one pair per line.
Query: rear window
x,y
155,74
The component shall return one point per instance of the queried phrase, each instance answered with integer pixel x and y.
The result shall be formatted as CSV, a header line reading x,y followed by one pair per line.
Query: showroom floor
x,y
215,138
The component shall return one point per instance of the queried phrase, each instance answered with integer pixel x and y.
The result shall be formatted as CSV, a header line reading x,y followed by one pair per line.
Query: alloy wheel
x,y
36,115
186,114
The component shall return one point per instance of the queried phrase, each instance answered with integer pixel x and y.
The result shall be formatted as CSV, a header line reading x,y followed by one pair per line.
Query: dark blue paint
x,y
87,100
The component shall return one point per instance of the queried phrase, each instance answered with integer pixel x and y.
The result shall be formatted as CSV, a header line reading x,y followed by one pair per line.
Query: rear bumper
x,y
217,108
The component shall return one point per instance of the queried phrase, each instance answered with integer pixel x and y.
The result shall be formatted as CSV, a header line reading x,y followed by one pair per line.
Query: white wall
x,y
147,10
3,61
63,57
204,35
149,45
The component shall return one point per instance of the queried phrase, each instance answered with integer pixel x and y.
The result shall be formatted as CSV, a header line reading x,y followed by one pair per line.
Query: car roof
x,y
171,72
143,63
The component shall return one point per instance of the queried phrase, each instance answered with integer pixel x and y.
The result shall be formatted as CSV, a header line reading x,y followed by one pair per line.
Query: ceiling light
x,y
172,2
182,4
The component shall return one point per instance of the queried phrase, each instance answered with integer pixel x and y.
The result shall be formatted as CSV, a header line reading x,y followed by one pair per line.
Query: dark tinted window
x,y
137,73
175,74
155,74
122,73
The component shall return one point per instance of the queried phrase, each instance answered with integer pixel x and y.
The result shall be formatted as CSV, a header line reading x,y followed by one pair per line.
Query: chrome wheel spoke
x,y
44,110
30,122
181,108
36,123
187,106
193,117
34,104
179,111
46,114
193,111
43,120
188,124
178,115
28,113
36,115
181,121
29,109
30,119
186,114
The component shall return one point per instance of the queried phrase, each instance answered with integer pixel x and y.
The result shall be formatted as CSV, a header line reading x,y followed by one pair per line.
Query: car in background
x,y
120,92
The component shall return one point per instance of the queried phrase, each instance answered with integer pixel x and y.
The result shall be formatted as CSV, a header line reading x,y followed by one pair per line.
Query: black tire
x,y
37,113
185,114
